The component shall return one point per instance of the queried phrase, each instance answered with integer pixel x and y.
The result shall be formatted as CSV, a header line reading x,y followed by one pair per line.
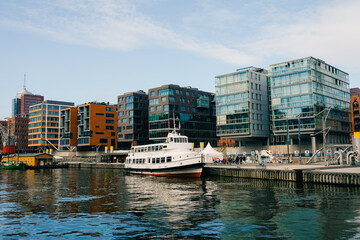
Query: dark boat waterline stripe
x,y
192,166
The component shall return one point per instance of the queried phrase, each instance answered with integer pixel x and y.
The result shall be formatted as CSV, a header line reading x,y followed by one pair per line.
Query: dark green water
x,y
106,204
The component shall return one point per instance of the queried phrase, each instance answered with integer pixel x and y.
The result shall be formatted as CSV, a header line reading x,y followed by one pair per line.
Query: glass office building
x,y
302,92
133,124
191,110
242,106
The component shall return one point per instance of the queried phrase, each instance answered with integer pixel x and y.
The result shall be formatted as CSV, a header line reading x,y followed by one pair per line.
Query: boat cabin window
x,y
168,159
156,148
153,160
152,148
171,139
163,159
148,160
157,160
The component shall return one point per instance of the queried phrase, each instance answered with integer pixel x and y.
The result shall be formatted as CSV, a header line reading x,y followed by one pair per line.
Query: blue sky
x,y
84,50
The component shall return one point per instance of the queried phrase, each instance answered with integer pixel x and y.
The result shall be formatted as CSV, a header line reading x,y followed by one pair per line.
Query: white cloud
x,y
115,25
330,33
250,34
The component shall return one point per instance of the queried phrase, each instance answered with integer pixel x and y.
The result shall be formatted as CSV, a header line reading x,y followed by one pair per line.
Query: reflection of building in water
x,y
177,199
295,210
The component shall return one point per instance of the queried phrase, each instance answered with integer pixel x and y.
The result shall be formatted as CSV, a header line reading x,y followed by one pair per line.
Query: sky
x,y
94,50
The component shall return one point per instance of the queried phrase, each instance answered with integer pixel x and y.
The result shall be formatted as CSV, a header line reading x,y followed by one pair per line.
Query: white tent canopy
x,y
211,155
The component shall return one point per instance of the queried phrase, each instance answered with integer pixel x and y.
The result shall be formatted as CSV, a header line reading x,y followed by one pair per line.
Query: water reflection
x,y
72,203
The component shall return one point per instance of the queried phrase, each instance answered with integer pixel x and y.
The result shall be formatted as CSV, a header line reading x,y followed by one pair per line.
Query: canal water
x,y
106,204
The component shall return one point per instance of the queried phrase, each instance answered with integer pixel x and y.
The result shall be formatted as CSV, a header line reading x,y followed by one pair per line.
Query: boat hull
x,y
193,170
20,166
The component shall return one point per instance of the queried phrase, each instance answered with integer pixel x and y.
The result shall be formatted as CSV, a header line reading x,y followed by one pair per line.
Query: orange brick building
x,y
69,127
96,127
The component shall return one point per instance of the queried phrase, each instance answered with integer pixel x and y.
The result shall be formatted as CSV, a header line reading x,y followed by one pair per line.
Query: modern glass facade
x,y
133,126
16,107
300,90
242,104
191,110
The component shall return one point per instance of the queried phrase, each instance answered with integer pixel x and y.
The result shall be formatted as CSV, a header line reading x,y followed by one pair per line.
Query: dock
x,y
312,173
72,164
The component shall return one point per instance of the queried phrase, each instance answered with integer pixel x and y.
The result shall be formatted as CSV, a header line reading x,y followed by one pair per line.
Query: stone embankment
x,y
316,173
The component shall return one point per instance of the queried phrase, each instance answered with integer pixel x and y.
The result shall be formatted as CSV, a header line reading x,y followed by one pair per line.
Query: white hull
x,y
174,157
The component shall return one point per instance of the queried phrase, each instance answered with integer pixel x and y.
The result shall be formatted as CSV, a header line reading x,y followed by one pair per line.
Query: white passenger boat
x,y
174,157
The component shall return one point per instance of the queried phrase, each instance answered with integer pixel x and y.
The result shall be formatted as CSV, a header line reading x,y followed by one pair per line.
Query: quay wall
x,y
296,175
331,178
95,165
257,173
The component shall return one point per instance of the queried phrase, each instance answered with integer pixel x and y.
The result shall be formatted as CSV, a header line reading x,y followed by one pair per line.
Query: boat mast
x,y
174,122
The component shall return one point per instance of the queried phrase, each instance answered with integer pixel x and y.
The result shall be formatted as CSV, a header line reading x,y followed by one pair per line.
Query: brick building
x,y
96,127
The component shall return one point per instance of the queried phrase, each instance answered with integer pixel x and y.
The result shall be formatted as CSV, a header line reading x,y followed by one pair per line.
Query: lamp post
x,y
299,137
288,139
324,128
325,133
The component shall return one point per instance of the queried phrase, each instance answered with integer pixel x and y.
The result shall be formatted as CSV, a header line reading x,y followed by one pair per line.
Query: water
x,y
106,204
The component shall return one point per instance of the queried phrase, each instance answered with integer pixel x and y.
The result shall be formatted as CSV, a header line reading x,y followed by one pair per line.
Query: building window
x,y
152,93
103,140
129,99
154,101
164,92
129,106
158,108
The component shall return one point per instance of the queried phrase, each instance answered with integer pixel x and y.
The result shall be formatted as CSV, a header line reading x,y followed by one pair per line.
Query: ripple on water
x,y
78,198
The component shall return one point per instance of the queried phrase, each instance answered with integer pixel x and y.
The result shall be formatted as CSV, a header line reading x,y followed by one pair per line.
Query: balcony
x,y
294,128
244,131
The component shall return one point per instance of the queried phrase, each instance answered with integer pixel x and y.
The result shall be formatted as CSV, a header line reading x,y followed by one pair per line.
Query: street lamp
x,y
299,136
288,138
324,132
